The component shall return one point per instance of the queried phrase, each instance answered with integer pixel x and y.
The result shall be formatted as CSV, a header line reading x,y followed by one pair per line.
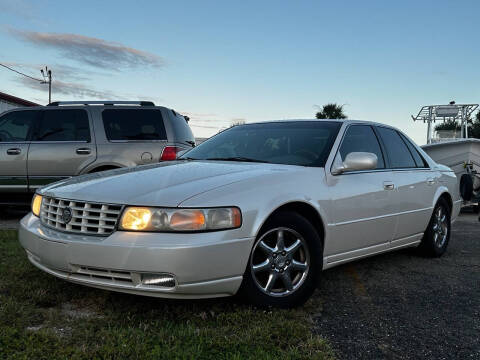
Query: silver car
x,y
259,209
43,144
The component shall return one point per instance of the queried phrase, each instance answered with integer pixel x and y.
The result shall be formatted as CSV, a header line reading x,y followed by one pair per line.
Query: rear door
x,y
362,201
62,145
133,135
413,182
15,130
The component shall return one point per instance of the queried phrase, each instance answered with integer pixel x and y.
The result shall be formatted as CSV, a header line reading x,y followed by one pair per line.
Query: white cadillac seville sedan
x,y
259,209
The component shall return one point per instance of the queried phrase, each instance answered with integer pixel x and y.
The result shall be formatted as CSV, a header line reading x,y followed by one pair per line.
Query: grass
x,y
42,317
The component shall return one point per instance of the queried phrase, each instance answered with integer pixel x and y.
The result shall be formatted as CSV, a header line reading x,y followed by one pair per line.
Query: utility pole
x,y
47,79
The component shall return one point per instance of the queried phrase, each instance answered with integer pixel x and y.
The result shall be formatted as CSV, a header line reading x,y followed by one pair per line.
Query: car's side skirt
x,y
338,259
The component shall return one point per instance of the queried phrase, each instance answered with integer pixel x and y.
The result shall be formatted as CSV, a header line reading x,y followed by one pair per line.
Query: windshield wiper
x,y
238,158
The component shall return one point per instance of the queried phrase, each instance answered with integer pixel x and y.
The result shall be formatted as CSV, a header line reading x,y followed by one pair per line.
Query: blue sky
x,y
225,61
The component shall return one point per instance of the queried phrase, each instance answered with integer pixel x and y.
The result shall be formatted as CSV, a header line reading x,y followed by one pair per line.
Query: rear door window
x,y
419,160
362,138
63,125
134,124
16,126
397,151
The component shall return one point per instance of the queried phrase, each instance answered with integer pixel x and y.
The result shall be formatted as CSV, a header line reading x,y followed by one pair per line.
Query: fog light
x,y
163,280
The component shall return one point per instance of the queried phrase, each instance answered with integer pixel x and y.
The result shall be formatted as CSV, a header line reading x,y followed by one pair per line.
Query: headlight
x,y
178,220
36,204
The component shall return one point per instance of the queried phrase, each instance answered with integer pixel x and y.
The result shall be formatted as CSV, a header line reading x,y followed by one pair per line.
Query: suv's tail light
x,y
170,153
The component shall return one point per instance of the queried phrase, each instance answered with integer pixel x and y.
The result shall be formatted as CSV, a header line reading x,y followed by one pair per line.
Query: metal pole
x,y
49,86
464,116
429,132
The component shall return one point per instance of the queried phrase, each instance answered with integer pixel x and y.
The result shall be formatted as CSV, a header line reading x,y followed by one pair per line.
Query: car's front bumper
x,y
202,264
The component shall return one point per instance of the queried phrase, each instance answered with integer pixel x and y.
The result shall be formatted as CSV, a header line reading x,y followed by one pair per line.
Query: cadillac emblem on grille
x,y
66,215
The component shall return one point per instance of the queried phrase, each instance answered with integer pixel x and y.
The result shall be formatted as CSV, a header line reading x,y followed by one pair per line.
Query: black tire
x,y
290,224
434,244
466,187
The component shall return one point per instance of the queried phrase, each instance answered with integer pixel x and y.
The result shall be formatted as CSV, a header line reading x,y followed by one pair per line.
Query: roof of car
x,y
347,121
95,106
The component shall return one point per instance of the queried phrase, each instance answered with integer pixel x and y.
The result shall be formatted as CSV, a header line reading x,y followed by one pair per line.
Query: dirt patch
x,y
72,311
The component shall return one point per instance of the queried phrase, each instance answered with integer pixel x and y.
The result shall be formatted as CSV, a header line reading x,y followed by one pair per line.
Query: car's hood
x,y
165,184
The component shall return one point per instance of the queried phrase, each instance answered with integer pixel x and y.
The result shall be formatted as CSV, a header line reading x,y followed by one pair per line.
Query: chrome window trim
x,y
383,170
376,170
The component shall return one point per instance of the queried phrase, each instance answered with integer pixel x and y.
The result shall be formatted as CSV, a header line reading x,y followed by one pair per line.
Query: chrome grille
x,y
116,276
86,217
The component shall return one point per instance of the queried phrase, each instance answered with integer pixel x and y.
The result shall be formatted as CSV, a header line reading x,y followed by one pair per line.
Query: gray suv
x,y
43,144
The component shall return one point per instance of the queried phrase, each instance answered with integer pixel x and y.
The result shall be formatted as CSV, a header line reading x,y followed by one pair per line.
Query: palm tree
x,y
331,111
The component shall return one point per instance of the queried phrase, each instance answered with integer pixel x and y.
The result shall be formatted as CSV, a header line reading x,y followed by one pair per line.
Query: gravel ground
x,y
403,306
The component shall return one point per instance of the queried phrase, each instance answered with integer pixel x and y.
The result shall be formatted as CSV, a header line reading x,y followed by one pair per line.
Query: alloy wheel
x,y
440,227
280,262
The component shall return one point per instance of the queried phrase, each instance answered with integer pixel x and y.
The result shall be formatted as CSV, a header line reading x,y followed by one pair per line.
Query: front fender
x,y
269,208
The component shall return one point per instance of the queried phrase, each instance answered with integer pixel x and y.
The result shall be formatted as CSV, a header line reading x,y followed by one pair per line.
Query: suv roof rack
x,y
141,103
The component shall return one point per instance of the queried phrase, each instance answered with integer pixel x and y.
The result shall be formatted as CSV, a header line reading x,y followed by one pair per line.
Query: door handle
x,y
430,181
83,151
388,185
14,151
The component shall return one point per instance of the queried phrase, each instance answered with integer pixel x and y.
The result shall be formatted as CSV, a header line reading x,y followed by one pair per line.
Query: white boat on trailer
x,y
454,149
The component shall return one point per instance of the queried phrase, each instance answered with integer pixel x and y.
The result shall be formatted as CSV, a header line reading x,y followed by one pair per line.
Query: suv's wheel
x,y
436,237
285,262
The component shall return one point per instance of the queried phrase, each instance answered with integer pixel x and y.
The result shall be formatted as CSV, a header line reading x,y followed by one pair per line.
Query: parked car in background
x,y
259,208
43,144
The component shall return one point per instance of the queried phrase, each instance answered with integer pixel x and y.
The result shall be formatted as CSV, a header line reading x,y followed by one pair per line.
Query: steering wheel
x,y
306,153
5,135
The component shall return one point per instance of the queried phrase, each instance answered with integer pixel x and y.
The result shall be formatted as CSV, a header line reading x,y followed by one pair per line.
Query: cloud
x,y
92,51
70,89
69,81
60,72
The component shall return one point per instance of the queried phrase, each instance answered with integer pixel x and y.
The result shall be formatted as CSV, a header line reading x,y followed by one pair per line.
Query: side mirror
x,y
354,161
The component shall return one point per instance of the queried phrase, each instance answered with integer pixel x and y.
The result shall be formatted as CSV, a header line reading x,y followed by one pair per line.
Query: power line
x,y
18,72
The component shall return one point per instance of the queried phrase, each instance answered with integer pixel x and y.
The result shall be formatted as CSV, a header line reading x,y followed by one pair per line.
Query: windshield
x,y
305,143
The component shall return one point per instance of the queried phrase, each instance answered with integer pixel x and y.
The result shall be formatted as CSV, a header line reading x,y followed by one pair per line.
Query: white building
x,y
8,102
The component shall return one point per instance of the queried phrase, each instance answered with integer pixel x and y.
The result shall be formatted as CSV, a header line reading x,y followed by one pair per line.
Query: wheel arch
x,y
304,209
103,165
446,195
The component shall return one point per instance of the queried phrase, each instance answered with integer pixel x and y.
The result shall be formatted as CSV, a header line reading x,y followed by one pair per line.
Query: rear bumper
x,y
202,265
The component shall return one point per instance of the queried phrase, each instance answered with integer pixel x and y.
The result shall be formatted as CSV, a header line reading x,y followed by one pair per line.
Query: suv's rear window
x,y
133,124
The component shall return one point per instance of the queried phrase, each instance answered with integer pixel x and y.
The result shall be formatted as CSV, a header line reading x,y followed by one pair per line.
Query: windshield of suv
x,y
305,143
